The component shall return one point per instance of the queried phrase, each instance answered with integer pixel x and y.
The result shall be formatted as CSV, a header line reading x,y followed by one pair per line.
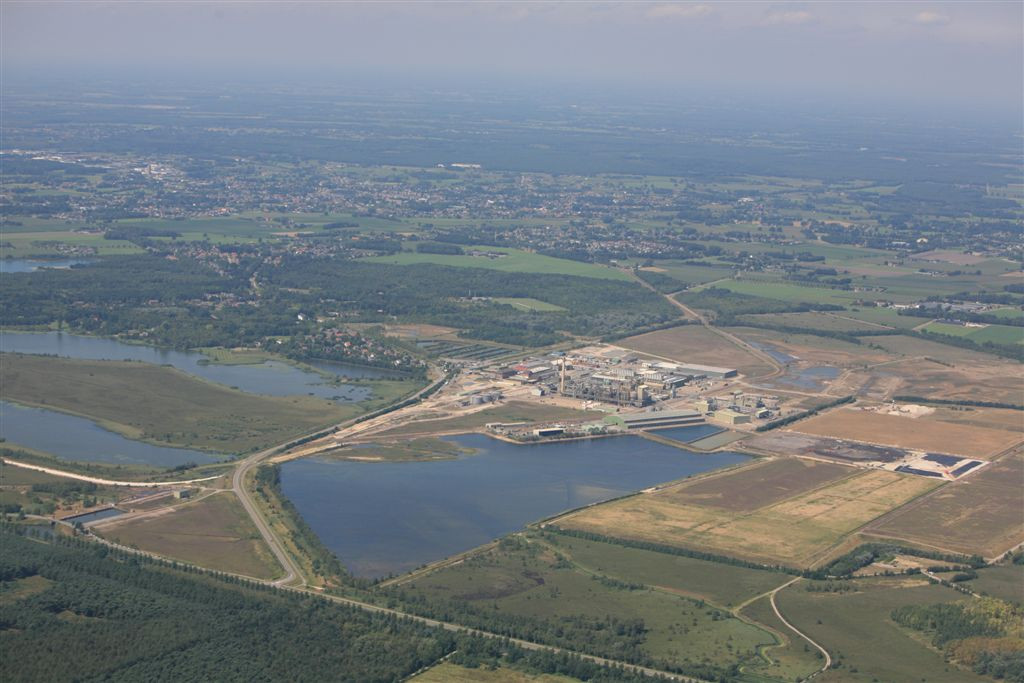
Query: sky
x,y
929,53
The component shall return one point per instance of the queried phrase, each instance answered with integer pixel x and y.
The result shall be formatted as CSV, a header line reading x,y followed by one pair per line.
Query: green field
x,y
516,261
26,244
997,334
856,630
527,304
791,293
1004,581
1008,313
722,584
530,579
790,659
160,404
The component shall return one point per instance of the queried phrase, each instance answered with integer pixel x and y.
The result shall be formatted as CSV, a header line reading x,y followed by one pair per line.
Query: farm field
x,y
214,532
800,531
453,673
997,334
856,626
764,483
513,411
921,433
979,514
695,344
526,579
156,403
515,261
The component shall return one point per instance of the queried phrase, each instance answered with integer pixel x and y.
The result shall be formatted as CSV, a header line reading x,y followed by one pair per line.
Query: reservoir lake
x,y
384,518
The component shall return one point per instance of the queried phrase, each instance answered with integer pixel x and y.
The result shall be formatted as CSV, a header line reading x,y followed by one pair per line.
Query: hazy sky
x,y
918,51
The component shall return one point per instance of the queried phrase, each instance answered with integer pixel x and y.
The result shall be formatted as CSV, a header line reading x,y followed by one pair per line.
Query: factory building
x,y
661,418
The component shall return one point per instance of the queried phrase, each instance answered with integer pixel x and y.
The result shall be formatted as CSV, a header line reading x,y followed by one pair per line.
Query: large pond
x,y
688,434
388,518
77,438
24,265
274,378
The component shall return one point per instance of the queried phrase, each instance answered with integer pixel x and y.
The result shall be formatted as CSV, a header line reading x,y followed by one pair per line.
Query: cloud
x,y
929,18
791,17
679,10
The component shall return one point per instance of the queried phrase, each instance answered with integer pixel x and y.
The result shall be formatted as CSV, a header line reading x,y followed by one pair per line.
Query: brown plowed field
x,y
763,484
982,513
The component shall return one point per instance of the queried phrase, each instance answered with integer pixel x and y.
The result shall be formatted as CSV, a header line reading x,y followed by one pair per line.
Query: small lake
x,y
77,438
688,434
384,518
273,378
24,265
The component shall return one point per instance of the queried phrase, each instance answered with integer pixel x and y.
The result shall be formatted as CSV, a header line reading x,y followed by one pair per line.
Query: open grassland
x,y
1005,582
790,659
979,514
720,584
696,344
161,404
513,411
762,484
214,532
826,322
527,304
529,579
452,673
857,631
997,334
514,261
800,531
920,433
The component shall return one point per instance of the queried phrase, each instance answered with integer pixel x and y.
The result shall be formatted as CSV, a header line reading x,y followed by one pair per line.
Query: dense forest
x,y
70,610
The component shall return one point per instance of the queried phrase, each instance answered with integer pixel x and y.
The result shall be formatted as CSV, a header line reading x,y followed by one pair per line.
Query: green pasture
x,y
515,261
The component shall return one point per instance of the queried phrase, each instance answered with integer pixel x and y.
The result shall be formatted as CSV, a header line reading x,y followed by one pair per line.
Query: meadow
x,y
159,404
997,334
514,261
526,578
865,644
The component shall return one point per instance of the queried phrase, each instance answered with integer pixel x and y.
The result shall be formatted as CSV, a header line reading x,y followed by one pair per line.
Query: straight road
x,y
105,482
